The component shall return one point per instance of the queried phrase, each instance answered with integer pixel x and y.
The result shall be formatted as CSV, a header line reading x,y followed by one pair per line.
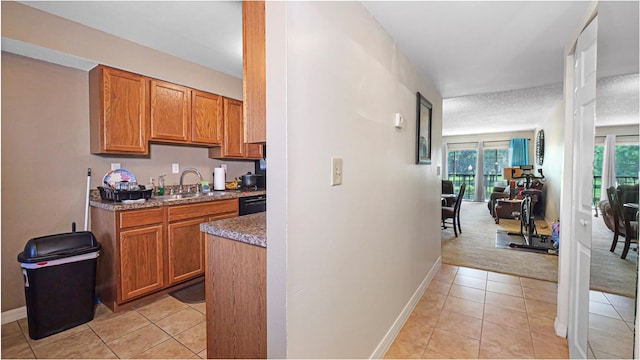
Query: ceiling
x,y
499,65
494,63
208,33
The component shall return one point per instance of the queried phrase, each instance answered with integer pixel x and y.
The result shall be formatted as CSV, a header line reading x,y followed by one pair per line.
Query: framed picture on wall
x,y
424,111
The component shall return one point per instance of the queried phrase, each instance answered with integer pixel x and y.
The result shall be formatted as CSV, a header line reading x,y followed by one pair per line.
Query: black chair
x,y
623,225
453,212
448,198
447,187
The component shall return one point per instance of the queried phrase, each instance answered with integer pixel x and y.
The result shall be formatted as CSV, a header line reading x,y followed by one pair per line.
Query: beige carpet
x,y
475,247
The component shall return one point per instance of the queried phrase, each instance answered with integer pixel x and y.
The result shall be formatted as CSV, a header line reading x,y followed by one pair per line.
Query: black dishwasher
x,y
252,204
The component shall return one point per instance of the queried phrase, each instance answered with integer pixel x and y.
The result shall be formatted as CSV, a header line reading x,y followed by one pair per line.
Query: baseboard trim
x,y
560,328
391,334
14,315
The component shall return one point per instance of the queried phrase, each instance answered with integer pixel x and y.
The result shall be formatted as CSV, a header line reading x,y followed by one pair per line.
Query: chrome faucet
x,y
187,170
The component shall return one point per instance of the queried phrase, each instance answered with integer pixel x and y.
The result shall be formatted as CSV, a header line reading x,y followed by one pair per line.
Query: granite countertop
x,y
250,229
95,200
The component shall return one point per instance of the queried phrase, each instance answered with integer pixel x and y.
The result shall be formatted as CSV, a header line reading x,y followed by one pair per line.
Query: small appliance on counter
x,y
249,181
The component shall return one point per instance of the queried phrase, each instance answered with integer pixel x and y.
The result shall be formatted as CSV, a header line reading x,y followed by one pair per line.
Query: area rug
x,y
475,247
192,294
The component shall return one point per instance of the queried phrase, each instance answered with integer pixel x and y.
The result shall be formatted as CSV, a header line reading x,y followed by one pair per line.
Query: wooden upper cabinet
x,y
233,145
170,112
253,151
253,71
206,118
117,111
128,110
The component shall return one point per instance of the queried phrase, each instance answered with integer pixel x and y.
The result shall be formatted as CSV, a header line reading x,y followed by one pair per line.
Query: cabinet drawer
x,y
181,212
133,218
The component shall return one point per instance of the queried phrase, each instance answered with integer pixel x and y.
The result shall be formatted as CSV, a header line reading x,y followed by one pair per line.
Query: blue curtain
x,y
519,149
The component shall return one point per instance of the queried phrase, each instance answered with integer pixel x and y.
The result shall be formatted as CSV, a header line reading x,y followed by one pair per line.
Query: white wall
x,y
355,253
553,158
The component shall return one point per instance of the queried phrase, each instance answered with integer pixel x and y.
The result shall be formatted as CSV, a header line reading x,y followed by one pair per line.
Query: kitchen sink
x,y
174,197
188,195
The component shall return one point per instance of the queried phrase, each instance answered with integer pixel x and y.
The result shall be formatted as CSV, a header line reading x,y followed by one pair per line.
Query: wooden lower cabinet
x,y
236,299
186,250
150,251
185,241
141,255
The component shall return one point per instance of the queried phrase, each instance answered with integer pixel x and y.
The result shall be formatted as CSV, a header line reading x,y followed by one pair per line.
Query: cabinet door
x,y
206,118
233,145
117,108
253,71
186,250
253,151
170,112
141,255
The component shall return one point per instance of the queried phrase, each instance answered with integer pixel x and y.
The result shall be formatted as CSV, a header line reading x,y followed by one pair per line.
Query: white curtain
x,y
608,165
445,162
479,179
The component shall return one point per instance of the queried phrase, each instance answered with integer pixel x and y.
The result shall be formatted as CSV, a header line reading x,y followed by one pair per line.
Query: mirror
x,y
613,279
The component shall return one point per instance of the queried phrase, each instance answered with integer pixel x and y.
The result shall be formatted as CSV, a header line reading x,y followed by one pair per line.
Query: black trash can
x,y
59,281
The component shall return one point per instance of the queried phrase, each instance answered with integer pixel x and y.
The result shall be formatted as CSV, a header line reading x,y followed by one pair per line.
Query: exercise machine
x,y
532,240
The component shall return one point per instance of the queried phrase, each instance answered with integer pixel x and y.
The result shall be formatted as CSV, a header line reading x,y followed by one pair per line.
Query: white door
x,y
584,106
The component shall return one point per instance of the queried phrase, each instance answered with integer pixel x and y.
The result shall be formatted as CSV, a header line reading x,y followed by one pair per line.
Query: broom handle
x,y
86,207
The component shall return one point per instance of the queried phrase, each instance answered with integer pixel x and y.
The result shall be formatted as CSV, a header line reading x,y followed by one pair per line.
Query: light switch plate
x,y
336,171
175,168
398,120
115,166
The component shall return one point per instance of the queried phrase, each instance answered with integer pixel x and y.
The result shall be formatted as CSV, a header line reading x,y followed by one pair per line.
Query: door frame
x,y
565,262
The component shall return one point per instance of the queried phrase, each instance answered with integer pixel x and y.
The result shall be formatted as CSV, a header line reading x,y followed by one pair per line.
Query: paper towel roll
x,y
218,178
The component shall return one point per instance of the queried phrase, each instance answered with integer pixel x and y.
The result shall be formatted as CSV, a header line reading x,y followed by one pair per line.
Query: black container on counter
x,y
119,195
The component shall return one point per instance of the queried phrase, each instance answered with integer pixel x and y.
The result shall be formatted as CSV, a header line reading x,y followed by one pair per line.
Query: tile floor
x,y
610,326
163,329
464,313
469,313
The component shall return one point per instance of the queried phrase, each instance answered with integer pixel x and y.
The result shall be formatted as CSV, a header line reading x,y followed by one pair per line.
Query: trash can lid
x,y
51,247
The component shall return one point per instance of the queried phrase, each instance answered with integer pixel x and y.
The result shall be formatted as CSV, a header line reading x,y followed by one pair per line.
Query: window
x,y
627,164
627,167
461,164
493,160
598,151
